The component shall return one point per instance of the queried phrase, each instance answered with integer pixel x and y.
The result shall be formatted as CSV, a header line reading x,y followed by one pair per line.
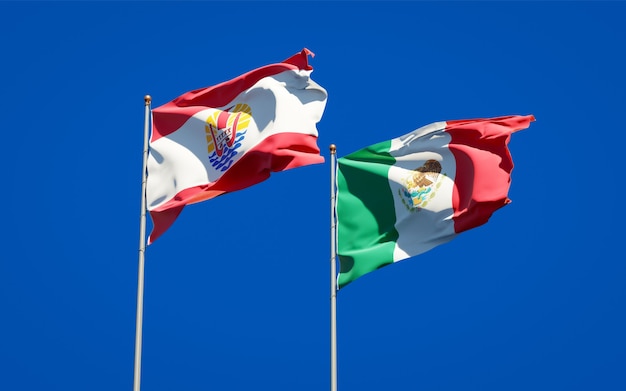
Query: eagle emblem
x,y
420,185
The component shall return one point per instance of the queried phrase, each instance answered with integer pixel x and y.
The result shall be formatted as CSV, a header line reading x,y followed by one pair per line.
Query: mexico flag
x,y
231,136
402,197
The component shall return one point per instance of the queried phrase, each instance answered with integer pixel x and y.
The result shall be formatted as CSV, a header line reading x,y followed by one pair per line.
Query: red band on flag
x,y
483,167
172,115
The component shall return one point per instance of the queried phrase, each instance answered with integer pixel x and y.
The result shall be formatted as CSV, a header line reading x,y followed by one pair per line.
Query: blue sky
x,y
237,291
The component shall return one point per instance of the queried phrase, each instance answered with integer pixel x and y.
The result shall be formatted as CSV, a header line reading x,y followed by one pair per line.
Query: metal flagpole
x,y
142,248
333,273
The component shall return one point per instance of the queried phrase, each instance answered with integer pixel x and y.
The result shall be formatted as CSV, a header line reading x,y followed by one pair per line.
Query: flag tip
x,y
147,99
333,148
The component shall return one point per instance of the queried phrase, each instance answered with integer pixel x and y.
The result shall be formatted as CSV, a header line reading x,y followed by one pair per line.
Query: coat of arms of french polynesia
x,y
224,132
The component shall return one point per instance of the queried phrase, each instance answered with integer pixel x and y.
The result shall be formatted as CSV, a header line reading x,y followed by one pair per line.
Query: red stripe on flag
x,y
172,115
483,167
279,152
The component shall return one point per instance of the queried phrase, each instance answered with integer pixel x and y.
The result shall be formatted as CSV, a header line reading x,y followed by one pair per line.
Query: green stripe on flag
x,y
366,235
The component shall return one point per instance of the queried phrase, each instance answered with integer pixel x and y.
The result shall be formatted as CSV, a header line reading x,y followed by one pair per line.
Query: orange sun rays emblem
x,y
222,127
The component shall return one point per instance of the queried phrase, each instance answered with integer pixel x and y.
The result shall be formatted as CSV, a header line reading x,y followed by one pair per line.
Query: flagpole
x,y
333,273
142,248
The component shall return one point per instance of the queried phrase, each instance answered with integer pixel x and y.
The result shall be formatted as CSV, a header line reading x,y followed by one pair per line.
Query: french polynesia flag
x,y
230,136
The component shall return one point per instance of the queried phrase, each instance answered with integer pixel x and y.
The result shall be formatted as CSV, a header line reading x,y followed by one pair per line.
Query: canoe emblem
x,y
225,129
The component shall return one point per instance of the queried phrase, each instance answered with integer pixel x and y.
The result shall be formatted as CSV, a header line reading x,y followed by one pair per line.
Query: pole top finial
x,y
333,148
147,99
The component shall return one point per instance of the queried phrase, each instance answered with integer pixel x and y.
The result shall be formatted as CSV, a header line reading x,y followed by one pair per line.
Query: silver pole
x,y
333,273
142,248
